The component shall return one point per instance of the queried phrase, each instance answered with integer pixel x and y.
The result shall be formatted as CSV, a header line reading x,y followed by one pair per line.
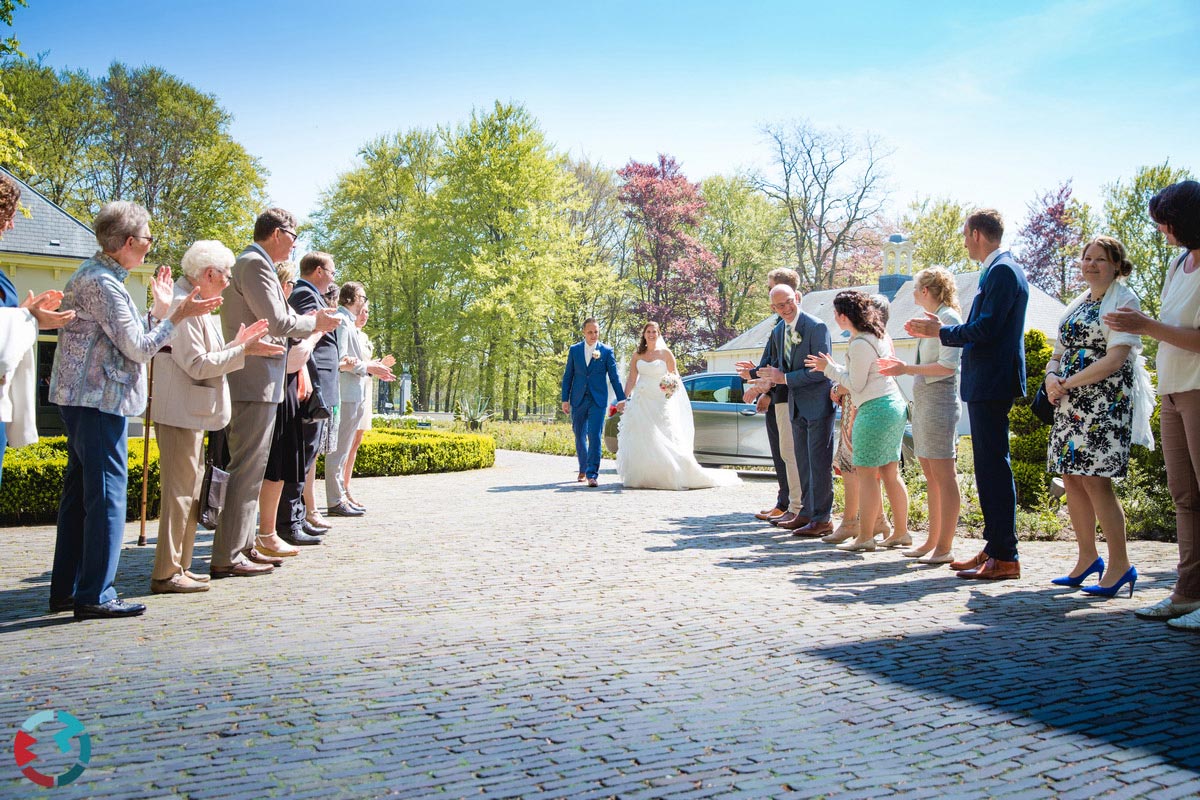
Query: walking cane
x,y
146,453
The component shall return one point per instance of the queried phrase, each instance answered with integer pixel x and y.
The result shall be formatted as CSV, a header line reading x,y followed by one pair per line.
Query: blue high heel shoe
x,y
1129,577
1066,580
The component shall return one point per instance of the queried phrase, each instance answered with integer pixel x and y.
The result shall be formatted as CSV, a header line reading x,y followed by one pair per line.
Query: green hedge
x,y
33,476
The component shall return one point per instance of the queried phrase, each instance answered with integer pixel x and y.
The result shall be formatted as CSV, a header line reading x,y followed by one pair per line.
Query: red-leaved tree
x,y
673,275
1050,241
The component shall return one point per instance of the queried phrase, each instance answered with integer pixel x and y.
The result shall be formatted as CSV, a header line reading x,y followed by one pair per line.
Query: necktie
x,y
787,345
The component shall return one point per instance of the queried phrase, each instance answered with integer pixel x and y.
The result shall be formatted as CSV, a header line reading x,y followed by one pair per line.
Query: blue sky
x,y
988,103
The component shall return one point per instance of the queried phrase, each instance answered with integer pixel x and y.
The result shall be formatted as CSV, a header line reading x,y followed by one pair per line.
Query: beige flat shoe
x,y
858,547
930,558
284,550
896,541
840,535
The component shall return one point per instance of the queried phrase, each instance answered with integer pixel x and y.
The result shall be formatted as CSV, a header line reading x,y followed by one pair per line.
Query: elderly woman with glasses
x,y
191,397
97,381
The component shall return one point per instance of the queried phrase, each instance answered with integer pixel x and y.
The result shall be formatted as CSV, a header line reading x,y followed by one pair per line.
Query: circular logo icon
x,y
72,729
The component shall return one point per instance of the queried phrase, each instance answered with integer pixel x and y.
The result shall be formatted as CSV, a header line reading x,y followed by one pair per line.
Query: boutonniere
x,y
596,353
794,337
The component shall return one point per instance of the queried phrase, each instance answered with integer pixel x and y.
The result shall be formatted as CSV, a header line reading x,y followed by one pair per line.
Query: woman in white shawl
x,y
1098,384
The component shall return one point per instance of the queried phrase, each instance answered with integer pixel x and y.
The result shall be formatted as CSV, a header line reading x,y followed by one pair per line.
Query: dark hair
x,y
988,222
10,196
856,306
313,261
272,220
1178,207
642,346
350,290
1115,252
590,321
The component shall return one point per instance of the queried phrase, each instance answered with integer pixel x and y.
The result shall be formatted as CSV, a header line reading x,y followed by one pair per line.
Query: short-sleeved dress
x,y
1093,425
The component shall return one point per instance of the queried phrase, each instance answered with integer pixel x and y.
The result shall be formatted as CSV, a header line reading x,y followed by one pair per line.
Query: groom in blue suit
x,y
585,397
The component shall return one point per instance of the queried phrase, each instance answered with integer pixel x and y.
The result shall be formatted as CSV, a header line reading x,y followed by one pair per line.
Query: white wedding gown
x,y
655,437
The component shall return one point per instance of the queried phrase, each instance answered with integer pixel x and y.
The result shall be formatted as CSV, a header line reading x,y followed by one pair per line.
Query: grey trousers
x,y
335,461
250,430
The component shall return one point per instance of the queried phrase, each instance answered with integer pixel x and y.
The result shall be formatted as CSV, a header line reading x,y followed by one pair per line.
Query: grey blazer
x,y
254,293
189,388
350,384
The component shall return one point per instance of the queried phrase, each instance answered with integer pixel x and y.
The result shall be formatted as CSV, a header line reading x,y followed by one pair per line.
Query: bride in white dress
x,y
656,434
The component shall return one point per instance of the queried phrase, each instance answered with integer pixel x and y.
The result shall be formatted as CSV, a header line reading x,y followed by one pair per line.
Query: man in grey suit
x,y
811,410
257,389
352,299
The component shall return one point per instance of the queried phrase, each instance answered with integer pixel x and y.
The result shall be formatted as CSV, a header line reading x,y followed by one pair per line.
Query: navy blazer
x,y
580,379
808,390
993,337
323,363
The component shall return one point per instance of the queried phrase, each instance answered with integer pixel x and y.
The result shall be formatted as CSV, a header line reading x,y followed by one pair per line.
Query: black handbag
x,y
212,494
313,408
1041,407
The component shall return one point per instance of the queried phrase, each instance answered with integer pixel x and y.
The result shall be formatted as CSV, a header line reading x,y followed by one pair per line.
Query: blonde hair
x,y
940,282
286,272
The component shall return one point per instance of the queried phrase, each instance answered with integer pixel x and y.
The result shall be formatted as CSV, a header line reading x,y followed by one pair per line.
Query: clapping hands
x,y
44,308
251,338
818,361
891,366
928,326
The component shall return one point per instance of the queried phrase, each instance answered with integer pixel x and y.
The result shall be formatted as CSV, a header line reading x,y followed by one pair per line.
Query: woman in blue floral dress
x,y
1091,382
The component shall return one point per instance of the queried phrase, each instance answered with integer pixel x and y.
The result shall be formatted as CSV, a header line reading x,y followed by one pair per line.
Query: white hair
x,y
204,254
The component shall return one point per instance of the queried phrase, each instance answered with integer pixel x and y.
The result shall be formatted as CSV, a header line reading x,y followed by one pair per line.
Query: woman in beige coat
x,y
191,397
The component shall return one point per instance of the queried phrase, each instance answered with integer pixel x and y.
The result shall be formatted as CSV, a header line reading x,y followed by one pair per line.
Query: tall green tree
x,y
746,233
59,116
1128,219
141,135
935,226
504,204
11,141
380,223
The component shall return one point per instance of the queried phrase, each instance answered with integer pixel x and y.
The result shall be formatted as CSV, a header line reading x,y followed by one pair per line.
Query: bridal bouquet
x,y
669,384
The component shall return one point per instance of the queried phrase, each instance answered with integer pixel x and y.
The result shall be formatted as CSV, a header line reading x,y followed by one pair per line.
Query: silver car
x,y
729,431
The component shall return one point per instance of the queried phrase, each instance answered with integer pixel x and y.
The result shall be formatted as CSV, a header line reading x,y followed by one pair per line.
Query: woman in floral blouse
x,y
1091,381
98,379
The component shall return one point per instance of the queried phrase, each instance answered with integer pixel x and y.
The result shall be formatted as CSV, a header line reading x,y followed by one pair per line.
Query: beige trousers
x,y
181,471
250,432
787,449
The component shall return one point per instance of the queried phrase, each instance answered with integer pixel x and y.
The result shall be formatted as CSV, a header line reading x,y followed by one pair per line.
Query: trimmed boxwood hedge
x,y
33,476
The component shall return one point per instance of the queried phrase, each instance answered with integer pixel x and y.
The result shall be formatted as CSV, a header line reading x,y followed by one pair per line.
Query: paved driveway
x,y
507,633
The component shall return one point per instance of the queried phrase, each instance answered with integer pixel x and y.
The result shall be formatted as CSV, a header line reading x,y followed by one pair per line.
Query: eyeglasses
x,y
289,232
227,274
149,239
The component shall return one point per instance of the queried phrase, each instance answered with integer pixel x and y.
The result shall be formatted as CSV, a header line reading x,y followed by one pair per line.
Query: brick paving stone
x,y
595,643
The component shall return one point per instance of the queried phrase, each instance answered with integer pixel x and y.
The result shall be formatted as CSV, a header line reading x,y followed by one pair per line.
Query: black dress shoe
x,y
65,604
313,530
299,538
344,509
113,608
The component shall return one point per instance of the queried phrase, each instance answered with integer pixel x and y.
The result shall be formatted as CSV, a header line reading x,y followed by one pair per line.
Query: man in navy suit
x,y
993,373
810,409
585,397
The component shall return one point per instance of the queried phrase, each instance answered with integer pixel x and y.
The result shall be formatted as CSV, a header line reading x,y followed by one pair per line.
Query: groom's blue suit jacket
x,y
581,380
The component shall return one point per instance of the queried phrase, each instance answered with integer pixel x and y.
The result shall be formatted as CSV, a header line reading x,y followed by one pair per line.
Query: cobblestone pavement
x,y
508,633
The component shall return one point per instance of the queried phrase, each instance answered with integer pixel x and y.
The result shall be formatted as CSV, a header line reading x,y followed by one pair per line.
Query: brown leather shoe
x,y
768,514
592,482
814,529
797,522
786,516
259,558
581,478
994,570
242,569
969,563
